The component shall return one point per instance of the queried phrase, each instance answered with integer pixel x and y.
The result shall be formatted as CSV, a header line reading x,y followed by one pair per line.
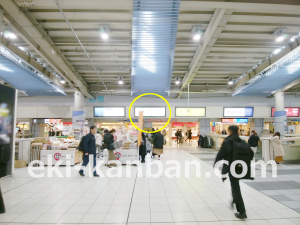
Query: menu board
x,y
290,111
109,111
242,120
238,112
189,112
150,111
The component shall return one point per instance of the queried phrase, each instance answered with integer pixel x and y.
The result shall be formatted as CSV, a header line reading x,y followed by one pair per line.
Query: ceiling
x,y
236,36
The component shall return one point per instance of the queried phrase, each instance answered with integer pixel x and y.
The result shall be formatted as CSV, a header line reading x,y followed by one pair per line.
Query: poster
x,y
78,123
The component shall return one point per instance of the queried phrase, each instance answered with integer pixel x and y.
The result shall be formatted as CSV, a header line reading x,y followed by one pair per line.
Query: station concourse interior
x,y
168,81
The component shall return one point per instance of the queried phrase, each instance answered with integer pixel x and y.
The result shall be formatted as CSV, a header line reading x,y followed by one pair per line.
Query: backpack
x,y
80,146
242,151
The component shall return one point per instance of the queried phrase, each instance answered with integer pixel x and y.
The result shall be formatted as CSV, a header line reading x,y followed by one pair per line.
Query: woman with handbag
x,y
158,144
277,147
142,148
110,145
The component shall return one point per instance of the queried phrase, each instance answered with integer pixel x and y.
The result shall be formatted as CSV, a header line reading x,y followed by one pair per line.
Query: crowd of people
x,y
95,141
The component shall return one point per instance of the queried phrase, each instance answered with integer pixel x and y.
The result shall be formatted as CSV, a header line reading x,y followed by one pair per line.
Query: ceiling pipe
x,y
90,60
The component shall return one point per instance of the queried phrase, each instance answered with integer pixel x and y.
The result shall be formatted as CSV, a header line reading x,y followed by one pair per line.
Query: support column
x,y
78,101
259,126
204,128
78,116
280,114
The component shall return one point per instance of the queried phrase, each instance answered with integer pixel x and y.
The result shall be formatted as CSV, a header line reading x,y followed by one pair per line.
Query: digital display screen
x,y
238,112
189,112
109,111
7,126
150,111
290,111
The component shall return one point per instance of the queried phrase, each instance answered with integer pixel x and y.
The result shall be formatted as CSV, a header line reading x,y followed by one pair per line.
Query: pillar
x,y
78,115
204,128
78,101
259,125
280,114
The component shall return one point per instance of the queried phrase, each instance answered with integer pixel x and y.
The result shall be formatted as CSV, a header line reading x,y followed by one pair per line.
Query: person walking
x,y
277,147
177,134
99,138
253,141
89,146
142,148
109,144
158,144
226,153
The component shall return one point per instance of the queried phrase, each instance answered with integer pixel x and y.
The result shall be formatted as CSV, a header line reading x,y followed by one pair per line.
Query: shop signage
x,y
181,124
238,112
290,111
243,120
190,112
53,121
150,111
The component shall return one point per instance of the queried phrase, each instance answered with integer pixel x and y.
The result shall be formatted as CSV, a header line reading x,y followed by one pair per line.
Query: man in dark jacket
x,y
253,141
89,145
225,153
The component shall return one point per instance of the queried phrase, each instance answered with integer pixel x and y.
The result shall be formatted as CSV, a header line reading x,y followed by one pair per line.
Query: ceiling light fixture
x,y
230,82
293,39
276,51
10,35
280,36
120,80
21,48
177,81
197,33
62,81
104,30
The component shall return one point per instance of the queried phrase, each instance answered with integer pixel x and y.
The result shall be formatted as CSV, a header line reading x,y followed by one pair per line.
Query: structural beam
x,y
213,31
30,31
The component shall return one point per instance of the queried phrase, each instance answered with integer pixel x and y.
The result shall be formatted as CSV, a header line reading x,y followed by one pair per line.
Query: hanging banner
x,y
78,123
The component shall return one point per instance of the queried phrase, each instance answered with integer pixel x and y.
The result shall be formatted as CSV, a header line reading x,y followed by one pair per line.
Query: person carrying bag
x,y
110,145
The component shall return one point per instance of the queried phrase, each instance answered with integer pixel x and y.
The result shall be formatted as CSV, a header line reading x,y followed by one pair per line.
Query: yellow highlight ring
x,y
150,132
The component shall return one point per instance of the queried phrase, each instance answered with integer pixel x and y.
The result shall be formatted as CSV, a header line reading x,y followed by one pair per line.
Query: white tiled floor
x,y
188,201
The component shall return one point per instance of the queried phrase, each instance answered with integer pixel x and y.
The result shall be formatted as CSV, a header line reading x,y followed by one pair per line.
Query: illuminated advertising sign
x,y
242,120
290,111
189,112
150,111
238,112
109,111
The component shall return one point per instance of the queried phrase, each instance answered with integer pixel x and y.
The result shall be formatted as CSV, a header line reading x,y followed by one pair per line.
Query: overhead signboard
x,y
238,112
189,112
109,111
150,111
240,120
290,111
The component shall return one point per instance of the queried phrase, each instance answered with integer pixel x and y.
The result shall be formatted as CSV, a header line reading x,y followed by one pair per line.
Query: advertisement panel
x,y
290,111
150,111
190,112
7,126
109,111
238,112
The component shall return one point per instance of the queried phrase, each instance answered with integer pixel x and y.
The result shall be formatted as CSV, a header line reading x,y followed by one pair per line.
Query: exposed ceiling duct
x,y
154,29
21,75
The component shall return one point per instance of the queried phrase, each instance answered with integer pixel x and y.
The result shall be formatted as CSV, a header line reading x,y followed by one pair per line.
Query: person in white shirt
x,y
99,140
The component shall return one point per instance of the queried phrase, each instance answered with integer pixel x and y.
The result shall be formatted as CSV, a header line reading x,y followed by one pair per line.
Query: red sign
x,y
57,156
180,124
290,112
67,123
118,155
227,120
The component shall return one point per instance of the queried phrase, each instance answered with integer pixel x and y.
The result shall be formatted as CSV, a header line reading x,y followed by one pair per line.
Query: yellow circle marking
x,y
150,132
